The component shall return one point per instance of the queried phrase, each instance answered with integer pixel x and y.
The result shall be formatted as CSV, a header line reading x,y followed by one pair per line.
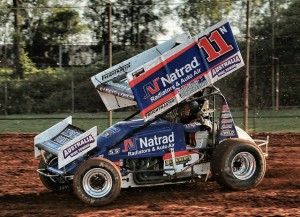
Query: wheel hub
x,y
97,182
243,165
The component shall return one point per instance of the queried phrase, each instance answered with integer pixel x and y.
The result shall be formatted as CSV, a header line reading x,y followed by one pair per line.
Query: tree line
x,y
36,28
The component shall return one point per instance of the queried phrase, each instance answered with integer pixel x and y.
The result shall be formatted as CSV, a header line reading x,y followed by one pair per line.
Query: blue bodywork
x,y
151,141
137,139
119,142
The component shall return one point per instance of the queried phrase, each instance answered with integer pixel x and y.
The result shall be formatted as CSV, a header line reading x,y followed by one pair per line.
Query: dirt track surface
x,y
22,194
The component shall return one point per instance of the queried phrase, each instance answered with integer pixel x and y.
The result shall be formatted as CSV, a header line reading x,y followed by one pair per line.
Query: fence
x,y
48,93
72,91
274,65
260,120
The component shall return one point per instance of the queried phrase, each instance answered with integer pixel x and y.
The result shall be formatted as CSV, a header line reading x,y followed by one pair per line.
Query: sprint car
x,y
186,132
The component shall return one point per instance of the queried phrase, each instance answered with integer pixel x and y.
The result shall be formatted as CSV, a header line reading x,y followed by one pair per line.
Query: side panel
x,y
77,147
227,127
155,140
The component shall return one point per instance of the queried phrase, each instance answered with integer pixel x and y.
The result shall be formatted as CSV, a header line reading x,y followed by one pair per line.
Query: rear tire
x,y
52,183
238,164
97,182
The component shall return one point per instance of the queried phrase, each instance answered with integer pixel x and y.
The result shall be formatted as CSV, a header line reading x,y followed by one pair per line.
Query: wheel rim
x,y
243,165
97,182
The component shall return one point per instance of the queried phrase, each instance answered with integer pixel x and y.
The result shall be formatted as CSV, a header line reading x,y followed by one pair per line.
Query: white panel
x,y
77,147
50,133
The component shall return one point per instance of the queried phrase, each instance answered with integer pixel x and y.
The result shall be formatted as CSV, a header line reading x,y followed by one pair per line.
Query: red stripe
x,y
177,154
167,97
157,103
137,80
158,66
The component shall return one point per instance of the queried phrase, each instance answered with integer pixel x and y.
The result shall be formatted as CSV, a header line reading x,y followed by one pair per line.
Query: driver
x,y
188,112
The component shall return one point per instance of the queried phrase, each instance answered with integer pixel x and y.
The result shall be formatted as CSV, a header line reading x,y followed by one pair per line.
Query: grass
x,y
268,120
285,120
35,123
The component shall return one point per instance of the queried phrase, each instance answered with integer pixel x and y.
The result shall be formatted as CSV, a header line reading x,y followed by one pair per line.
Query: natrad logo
x,y
151,88
180,75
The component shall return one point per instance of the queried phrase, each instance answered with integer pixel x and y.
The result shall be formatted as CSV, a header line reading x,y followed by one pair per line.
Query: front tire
x,y
238,164
97,182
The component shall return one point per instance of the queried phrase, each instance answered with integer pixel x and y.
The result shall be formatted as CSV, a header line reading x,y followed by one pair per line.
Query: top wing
x,y
185,70
112,84
169,73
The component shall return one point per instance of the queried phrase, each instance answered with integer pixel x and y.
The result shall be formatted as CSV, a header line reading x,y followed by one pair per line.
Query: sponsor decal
x,y
71,133
119,71
167,104
226,126
129,145
225,108
146,144
226,121
193,87
225,66
191,125
61,139
114,151
110,131
138,73
138,152
161,94
156,140
178,160
181,72
116,93
226,115
122,85
178,77
207,41
227,132
151,88
78,147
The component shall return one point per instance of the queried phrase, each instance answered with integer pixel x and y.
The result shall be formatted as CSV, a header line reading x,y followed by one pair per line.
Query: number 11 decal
x,y
206,44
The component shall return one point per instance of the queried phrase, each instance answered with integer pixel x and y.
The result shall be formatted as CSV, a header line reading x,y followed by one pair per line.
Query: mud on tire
x,y
238,164
97,182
